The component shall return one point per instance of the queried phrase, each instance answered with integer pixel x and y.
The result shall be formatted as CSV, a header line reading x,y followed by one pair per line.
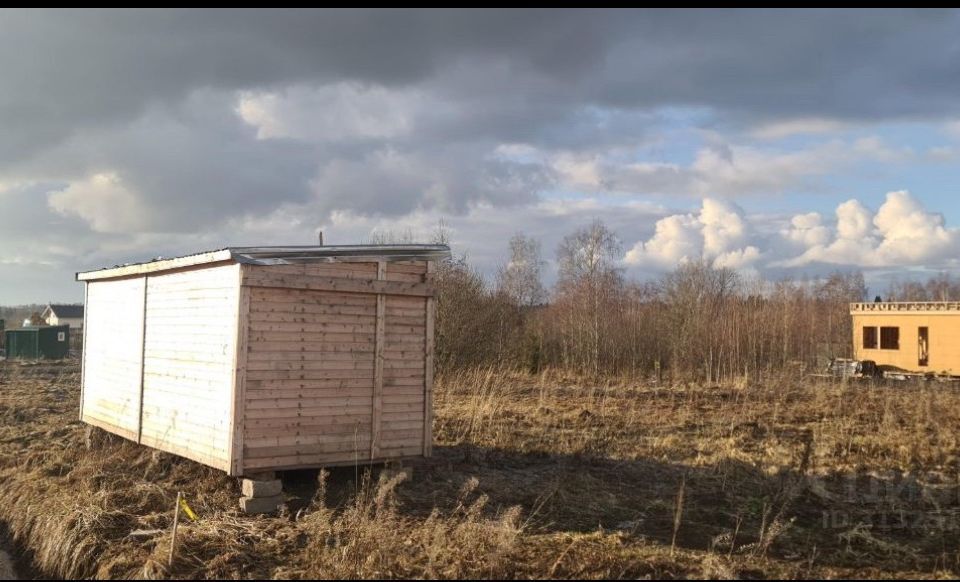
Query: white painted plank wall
x,y
191,338
112,355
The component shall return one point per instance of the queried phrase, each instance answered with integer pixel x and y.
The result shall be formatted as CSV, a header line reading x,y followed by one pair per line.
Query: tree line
x,y
696,322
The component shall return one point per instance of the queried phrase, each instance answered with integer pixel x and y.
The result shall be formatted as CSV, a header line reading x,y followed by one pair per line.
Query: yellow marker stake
x,y
187,510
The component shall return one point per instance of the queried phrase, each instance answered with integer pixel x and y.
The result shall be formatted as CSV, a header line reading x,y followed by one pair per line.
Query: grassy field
x,y
533,476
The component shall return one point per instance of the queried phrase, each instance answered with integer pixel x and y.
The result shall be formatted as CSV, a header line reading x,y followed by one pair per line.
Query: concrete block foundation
x,y
262,493
251,488
256,505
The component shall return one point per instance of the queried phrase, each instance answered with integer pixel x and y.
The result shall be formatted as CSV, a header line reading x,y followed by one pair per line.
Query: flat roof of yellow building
x,y
905,307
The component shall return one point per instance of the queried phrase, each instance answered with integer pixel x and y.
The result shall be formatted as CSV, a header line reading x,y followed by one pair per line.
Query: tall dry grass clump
x,y
73,501
372,538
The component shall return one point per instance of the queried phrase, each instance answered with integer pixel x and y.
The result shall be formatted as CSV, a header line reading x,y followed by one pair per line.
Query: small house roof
x,y
70,311
276,256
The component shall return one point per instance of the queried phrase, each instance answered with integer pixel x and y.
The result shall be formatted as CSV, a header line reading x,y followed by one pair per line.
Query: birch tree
x,y
521,278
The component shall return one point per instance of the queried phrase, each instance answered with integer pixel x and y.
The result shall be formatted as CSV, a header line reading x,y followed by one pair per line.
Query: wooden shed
x,y
267,358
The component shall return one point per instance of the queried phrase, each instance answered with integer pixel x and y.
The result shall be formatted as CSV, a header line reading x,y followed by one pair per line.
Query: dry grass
x,y
545,476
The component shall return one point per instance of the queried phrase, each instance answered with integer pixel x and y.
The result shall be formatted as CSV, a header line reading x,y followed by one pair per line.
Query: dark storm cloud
x,y
66,70
149,99
192,164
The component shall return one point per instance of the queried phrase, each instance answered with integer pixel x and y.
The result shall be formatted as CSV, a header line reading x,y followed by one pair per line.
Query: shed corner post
x,y
83,343
143,357
239,384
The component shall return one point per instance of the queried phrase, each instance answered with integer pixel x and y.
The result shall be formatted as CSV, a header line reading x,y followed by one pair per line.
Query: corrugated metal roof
x,y
285,255
276,256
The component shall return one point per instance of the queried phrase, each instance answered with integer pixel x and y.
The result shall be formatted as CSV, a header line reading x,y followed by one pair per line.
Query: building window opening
x,y
889,338
870,338
923,346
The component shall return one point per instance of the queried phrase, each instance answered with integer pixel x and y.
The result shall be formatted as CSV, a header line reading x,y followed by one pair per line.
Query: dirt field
x,y
545,476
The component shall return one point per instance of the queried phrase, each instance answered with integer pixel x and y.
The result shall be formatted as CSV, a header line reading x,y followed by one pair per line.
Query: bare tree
x,y
388,236
591,253
393,237
696,295
520,278
939,287
441,234
589,286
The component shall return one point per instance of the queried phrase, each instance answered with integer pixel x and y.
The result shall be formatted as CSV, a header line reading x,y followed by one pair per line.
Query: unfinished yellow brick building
x,y
915,336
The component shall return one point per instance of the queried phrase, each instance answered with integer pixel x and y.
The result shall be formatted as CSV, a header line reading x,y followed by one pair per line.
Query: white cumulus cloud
x,y
901,233
718,233
807,230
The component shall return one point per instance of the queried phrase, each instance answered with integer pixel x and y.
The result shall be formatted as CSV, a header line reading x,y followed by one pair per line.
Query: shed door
x,y
113,355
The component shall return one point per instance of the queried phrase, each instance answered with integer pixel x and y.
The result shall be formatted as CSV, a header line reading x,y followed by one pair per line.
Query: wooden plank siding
x,y
335,372
403,374
377,419
428,367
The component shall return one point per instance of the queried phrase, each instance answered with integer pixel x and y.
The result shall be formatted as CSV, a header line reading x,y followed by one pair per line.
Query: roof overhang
x,y
276,256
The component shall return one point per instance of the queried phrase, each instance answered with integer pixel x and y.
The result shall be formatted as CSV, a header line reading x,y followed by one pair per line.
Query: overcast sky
x,y
780,143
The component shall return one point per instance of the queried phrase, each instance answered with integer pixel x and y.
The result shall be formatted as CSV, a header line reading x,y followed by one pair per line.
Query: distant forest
x,y
697,322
